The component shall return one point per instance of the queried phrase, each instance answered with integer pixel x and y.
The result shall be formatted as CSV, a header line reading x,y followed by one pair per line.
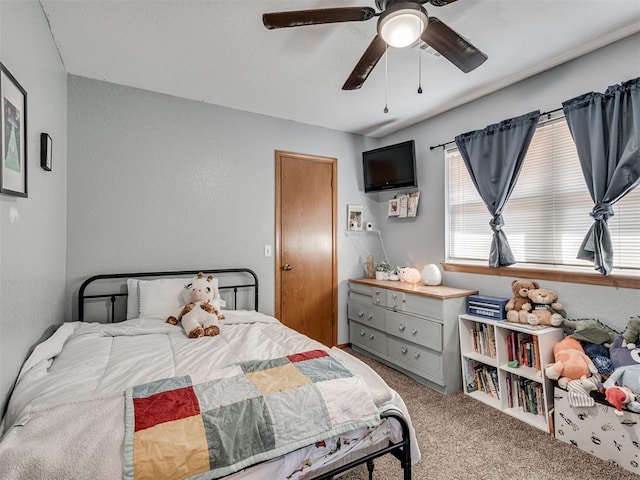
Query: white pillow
x,y
132,298
159,299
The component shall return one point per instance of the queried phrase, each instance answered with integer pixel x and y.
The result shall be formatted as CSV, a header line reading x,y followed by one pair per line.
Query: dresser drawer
x,y
417,359
368,338
367,314
359,288
379,296
395,299
417,330
427,306
360,297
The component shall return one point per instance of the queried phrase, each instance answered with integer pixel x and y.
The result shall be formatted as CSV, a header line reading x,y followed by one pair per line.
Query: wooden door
x,y
305,253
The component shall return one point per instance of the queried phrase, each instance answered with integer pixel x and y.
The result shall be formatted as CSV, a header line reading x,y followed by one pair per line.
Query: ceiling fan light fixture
x,y
402,24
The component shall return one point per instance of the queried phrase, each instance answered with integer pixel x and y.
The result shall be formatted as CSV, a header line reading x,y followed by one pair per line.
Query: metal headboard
x,y
248,276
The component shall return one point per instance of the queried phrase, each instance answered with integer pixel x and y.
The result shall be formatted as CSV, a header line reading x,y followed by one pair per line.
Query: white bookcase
x,y
486,348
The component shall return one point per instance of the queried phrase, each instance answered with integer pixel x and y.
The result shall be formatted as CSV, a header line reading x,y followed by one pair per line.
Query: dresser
x,y
412,328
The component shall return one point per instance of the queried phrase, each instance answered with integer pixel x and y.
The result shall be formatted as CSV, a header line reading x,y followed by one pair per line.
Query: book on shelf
x,y
469,376
481,377
525,394
484,339
524,348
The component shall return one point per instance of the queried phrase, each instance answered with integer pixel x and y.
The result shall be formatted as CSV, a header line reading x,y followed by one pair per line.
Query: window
x,y
547,216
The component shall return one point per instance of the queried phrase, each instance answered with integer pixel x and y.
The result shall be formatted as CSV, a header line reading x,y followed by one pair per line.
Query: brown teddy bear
x,y
520,289
542,308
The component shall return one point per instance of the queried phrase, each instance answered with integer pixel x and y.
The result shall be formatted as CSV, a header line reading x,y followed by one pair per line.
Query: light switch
x,y
267,250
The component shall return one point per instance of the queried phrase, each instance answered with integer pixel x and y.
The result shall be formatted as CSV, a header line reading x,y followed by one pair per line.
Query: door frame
x,y
334,241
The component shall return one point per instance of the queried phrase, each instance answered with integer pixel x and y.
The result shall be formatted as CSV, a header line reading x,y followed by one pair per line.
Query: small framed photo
x,y
393,208
354,218
13,171
46,147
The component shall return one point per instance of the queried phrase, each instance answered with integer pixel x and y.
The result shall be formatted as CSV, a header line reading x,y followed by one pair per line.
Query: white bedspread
x,y
84,368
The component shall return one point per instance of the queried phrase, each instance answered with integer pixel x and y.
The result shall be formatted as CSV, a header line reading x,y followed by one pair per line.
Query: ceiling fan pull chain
x,y
419,68
386,77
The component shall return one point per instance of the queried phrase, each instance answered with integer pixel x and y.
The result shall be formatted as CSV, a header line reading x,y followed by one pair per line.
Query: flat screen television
x,y
393,166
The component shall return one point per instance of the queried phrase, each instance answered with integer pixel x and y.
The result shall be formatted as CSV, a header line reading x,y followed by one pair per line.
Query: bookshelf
x,y
488,349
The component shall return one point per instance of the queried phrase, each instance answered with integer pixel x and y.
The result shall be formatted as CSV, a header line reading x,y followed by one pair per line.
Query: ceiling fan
x,y
400,23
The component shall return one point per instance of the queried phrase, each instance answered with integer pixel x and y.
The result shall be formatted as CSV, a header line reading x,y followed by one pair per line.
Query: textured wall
x,y
422,240
159,182
33,245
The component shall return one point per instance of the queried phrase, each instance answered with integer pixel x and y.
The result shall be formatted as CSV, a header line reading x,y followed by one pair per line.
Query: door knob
x,y
287,267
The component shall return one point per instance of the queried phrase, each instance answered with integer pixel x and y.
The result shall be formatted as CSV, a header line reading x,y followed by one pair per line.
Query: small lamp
x,y
402,24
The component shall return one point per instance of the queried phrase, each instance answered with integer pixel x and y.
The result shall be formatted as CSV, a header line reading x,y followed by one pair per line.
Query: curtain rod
x,y
548,114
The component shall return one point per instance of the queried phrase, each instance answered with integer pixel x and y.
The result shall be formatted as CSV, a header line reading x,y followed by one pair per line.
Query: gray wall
x,y
33,247
158,182
419,241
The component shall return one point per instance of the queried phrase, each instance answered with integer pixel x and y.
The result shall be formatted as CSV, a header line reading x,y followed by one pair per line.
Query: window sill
x,y
621,281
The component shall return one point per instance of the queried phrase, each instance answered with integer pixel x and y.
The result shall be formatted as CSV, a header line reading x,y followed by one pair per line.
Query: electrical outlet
x,y
267,250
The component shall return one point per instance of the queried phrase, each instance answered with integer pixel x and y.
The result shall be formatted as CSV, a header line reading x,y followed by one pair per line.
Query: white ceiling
x,y
218,51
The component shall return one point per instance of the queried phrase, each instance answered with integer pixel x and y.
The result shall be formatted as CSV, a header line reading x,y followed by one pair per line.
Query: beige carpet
x,y
461,438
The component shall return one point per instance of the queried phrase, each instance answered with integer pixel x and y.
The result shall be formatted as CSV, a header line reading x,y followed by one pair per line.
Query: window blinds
x,y
547,217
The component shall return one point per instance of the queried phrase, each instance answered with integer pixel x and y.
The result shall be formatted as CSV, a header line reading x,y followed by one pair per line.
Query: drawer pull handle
x,y
377,300
401,327
395,295
360,313
403,349
371,336
362,333
370,316
377,292
416,355
414,331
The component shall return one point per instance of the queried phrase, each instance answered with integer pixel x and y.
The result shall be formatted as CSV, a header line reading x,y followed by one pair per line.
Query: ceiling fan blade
x,y
440,3
315,17
366,64
452,46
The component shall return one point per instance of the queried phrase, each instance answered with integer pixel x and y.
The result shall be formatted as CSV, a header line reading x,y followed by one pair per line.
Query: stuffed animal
x,y
200,316
542,308
620,397
589,330
622,353
632,332
579,389
570,361
626,376
599,355
410,275
520,289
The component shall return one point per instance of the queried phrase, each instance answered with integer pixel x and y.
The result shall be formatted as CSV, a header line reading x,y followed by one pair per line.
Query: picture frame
x,y
354,218
13,146
46,148
393,208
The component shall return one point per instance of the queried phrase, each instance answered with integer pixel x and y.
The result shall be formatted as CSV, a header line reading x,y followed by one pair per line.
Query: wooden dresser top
x,y
440,291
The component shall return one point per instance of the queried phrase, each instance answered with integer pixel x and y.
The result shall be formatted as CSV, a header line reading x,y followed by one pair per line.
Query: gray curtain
x,y
606,131
493,157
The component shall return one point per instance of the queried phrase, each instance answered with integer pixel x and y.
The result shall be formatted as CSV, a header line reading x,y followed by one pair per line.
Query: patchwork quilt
x,y
259,410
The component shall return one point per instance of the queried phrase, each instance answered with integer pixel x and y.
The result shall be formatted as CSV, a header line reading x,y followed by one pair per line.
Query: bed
x,y
120,393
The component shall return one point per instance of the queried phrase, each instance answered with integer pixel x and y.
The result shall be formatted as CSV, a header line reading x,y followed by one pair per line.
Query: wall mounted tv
x,y
390,167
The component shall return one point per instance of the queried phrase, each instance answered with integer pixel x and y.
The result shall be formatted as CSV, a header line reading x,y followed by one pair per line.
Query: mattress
x,y
70,395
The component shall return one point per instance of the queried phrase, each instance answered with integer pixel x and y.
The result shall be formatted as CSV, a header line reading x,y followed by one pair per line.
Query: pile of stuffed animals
x,y
609,364
593,360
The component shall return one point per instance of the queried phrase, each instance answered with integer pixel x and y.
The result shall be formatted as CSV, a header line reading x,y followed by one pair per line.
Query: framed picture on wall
x,y
13,99
354,218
